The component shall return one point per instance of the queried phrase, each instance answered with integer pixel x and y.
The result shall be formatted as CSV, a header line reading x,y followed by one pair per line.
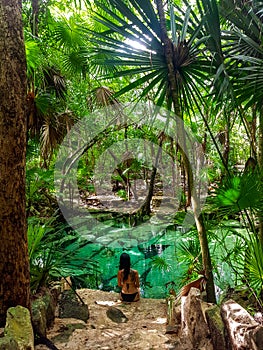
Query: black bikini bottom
x,y
128,297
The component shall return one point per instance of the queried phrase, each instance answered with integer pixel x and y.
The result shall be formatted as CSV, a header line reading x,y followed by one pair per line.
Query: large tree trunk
x,y
14,264
173,93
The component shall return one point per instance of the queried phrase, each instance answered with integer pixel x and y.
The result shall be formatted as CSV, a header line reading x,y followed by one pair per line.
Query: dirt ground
x,y
145,328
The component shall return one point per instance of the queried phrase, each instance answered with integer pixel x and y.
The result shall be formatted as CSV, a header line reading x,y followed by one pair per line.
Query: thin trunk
x,y
226,146
145,208
173,93
14,263
35,15
260,165
253,133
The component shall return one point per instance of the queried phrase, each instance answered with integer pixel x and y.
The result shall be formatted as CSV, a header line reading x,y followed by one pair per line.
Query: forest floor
x,y
144,329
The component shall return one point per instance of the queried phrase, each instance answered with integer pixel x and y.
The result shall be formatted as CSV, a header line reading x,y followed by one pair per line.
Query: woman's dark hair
x,y
125,264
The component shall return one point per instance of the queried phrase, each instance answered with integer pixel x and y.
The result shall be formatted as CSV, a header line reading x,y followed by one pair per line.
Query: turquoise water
x,y
156,261
158,257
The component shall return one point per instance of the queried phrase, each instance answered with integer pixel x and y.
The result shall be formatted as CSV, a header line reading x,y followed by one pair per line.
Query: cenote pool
x,y
156,261
155,252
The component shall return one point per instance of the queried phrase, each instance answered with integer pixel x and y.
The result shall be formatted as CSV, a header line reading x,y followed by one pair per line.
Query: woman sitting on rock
x,y
128,280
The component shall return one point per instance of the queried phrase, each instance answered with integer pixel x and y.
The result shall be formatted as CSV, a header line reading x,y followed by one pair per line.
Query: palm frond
x,y
137,22
34,56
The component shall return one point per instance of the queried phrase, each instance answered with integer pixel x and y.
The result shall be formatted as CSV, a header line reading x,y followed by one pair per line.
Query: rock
x,y
258,317
243,331
256,338
19,327
43,312
216,327
71,307
194,327
50,301
8,343
39,319
116,315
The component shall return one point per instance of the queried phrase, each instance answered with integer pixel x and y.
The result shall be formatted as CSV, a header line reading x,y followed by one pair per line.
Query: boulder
x,y
19,328
194,326
43,312
243,331
8,343
50,300
39,318
116,315
216,327
71,307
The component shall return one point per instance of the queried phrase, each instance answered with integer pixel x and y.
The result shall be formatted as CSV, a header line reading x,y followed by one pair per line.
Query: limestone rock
x,y
216,327
39,319
194,326
71,307
116,315
243,331
50,301
43,312
8,343
19,327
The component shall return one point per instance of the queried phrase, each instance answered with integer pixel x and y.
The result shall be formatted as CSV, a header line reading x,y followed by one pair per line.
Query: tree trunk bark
x,y
14,263
146,206
35,15
226,146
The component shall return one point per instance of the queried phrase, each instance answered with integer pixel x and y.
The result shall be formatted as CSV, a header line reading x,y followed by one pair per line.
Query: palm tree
x,y
243,48
47,120
173,69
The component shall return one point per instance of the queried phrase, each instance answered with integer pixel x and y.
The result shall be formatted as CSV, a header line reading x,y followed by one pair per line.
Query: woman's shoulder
x,y
134,271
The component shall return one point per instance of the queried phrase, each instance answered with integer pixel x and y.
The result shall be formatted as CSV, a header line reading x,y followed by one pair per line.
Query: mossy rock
x,y
216,327
19,327
39,319
8,343
43,312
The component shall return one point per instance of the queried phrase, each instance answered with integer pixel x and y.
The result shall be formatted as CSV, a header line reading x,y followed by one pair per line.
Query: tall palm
x,y
243,46
46,120
174,69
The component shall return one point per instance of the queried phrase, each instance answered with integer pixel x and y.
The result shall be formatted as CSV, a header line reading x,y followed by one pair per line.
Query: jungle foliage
x,y
204,63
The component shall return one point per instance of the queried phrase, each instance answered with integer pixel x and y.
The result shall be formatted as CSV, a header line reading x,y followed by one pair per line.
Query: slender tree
x,y
14,264
171,51
170,65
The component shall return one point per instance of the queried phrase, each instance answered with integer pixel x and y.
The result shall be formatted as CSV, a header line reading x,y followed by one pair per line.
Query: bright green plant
x,y
189,257
242,196
161,264
55,253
